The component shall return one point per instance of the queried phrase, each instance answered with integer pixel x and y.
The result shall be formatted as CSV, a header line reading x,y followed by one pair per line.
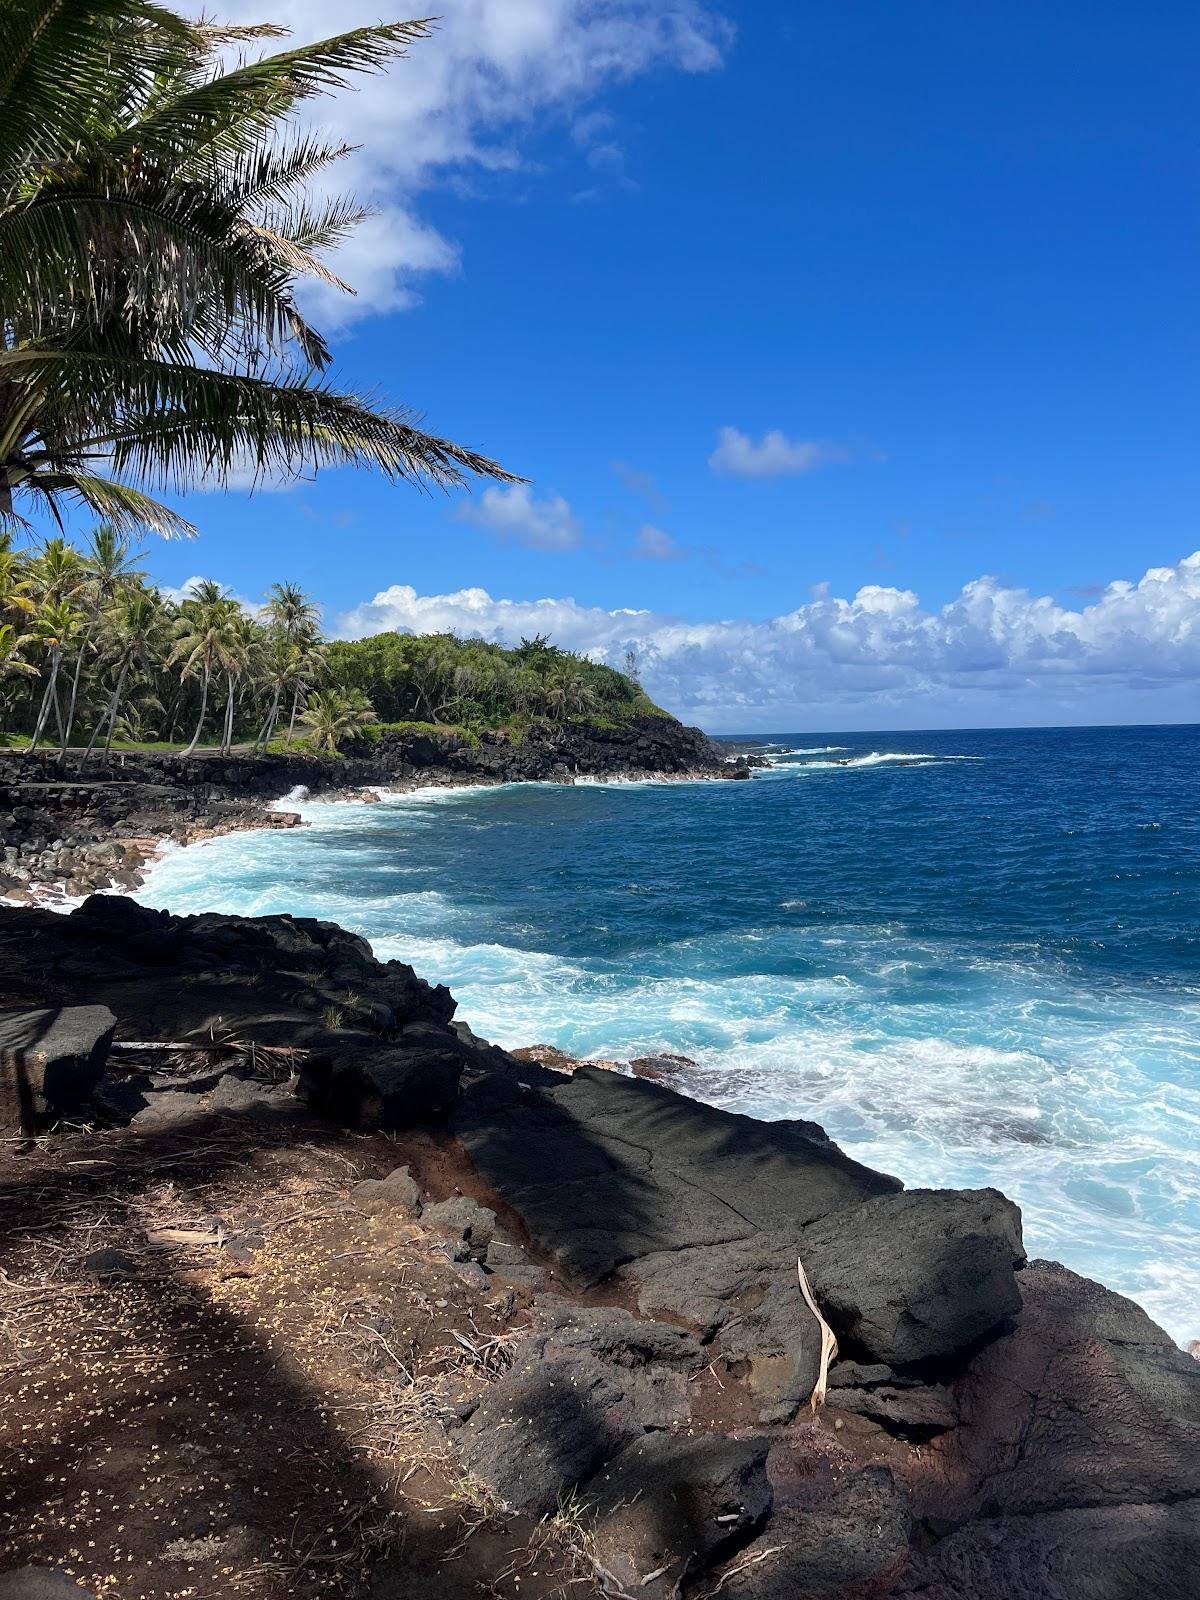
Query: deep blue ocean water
x,y
974,957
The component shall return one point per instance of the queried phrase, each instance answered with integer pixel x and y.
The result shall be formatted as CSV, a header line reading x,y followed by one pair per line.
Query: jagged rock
x,y
668,1506
912,1276
385,1086
917,1407
465,1223
586,1381
249,1096
1085,1402
612,1334
397,1193
50,1061
544,1427
1127,1552
836,1536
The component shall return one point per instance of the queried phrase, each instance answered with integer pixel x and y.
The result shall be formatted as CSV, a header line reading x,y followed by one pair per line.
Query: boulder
x,y
396,1194
668,1506
1083,1403
1128,1552
50,1061
838,1535
465,1224
544,1427
370,1085
606,1169
585,1382
914,1276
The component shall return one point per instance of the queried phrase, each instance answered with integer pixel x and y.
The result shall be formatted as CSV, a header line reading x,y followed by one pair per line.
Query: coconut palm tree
x,y
332,717
12,663
311,667
110,571
55,627
206,642
153,233
282,664
137,625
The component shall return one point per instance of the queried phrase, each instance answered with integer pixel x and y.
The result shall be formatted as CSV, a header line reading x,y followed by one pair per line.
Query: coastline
x,y
67,834
628,1254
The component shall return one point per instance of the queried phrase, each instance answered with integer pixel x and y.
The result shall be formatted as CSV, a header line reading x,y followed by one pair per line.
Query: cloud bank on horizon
x,y
994,655
463,102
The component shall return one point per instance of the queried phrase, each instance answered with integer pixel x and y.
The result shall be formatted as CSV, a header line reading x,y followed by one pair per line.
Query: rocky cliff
x,y
993,1427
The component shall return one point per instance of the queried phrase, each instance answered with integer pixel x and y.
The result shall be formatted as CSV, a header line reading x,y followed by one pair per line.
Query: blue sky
x,y
941,258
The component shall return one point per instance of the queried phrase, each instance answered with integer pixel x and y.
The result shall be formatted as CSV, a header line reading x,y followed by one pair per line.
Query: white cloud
x,y
463,102
516,513
653,544
186,589
995,654
774,456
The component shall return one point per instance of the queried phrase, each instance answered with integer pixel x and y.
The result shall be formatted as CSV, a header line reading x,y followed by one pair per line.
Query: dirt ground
x,y
221,1378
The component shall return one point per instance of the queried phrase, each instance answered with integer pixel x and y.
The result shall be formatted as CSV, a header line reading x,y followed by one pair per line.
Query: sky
x,y
850,350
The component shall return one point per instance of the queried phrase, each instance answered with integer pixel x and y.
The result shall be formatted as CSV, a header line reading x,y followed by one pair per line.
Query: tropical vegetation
x,y
94,657
156,230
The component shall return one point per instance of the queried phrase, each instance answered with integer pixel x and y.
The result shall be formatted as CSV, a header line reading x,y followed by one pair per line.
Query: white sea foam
x,y
1081,1104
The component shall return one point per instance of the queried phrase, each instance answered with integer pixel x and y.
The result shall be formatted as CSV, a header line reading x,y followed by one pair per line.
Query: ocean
x,y
973,957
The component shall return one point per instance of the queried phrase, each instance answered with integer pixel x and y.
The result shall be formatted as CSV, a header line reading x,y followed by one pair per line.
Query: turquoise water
x,y
974,957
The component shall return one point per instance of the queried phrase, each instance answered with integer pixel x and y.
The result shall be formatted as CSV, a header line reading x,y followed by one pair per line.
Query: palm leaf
x,y
174,424
235,106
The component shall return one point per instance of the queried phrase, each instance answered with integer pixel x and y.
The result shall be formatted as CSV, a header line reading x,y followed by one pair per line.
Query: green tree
x,y
154,229
207,642
137,629
109,570
332,718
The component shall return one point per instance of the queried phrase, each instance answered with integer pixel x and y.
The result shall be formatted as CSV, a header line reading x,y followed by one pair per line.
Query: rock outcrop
x,y
992,1427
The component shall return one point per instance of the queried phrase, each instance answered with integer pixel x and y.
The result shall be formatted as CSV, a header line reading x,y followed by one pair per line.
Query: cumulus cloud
x,y
995,654
653,544
177,592
516,513
774,456
464,101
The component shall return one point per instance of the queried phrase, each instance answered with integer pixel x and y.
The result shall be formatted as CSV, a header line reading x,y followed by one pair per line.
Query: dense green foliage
x,y
440,679
92,654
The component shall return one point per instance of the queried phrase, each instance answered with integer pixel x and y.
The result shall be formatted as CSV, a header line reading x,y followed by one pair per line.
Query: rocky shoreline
x,y
992,1426
65,834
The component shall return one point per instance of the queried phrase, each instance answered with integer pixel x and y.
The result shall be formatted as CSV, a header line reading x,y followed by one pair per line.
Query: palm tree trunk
x,y
203,713
112,714
268,727
86,640
227,736
108,720
292,724
44,708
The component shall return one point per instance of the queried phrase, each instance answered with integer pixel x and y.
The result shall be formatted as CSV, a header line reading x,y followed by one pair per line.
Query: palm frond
x,y
128,509
174,424
233,108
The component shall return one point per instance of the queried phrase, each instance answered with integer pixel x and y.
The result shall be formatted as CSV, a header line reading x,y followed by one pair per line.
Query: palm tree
x,y
567,693
12,663
54,628
311,667
282,670
331,717
291,610
137,625
110,571
206,642
153,231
